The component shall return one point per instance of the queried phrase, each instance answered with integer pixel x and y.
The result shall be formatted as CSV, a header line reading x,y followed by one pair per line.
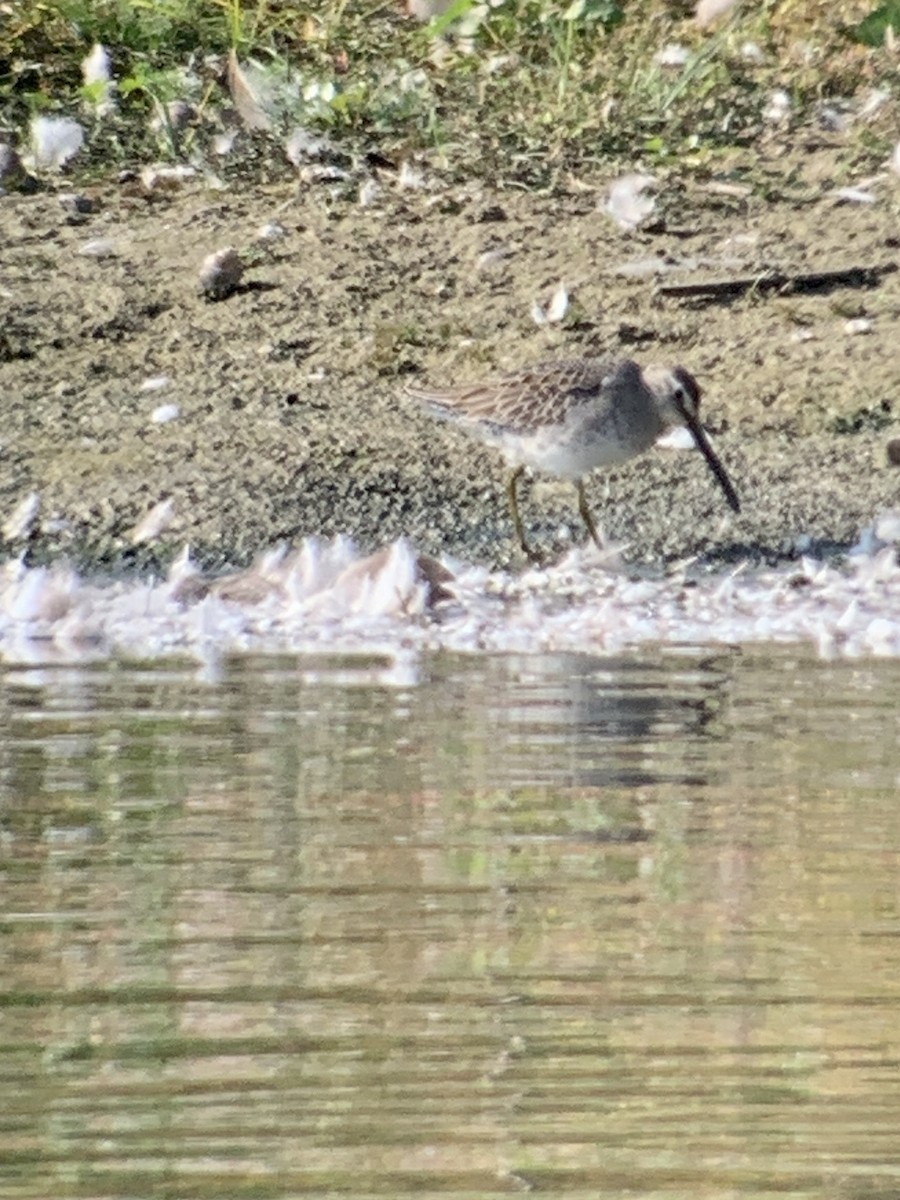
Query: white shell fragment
x,y
155,383
272,231
20,521
556,309
164,413
152,525
492,258
854,195
628,203
99,248
858,325
54,140
221,273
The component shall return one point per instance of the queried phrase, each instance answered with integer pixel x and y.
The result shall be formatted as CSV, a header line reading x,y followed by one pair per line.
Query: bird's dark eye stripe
x,y
688,388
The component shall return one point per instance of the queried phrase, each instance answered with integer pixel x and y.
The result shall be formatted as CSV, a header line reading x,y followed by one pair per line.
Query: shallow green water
x,y
582,926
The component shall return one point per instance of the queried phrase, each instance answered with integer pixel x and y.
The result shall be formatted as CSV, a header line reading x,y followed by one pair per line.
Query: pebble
x,y
76,204
12,173
221,273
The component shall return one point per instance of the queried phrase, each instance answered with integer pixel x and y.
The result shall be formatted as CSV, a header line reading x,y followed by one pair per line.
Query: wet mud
x,y
290,414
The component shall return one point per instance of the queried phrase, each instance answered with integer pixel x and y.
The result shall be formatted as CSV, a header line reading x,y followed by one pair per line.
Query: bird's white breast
x,y
569,451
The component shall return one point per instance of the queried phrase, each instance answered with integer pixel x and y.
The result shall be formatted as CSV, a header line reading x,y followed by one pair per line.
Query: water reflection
x,y
580,925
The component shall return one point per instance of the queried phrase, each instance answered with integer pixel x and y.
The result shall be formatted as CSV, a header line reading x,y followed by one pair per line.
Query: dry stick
x,y
771,281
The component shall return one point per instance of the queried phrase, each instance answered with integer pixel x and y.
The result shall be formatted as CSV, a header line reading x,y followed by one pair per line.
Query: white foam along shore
x,y
327,596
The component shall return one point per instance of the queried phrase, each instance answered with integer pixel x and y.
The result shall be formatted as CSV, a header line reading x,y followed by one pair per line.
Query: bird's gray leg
x,y
586,514
517,520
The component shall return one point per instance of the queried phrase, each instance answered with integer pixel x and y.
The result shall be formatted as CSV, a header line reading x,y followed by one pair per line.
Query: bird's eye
x,y
680,396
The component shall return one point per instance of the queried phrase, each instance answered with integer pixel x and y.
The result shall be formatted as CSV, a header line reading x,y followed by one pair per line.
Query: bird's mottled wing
x,y
524,400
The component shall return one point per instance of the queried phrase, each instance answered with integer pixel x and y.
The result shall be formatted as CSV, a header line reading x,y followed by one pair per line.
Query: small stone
x,y
12,173
221,273
893,452
76,203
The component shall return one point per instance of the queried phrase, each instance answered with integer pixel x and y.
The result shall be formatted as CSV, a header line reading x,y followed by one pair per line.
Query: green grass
x,y
526,88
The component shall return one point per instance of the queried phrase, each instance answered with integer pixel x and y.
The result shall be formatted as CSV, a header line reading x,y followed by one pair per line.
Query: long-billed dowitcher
x,y
566,418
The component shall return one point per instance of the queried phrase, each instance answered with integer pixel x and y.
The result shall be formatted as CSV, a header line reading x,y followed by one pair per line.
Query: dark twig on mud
x,y
778,281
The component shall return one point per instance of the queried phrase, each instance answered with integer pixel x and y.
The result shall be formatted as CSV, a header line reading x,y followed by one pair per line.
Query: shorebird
x,y
566,418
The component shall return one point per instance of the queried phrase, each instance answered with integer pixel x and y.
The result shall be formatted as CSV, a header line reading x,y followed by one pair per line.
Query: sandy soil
x,y
291,419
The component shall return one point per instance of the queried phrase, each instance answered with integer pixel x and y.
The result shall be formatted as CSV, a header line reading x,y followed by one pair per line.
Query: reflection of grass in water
x,y
528,86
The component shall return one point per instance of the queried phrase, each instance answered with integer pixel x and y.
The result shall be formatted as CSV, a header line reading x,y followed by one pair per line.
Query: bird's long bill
x,y
699,435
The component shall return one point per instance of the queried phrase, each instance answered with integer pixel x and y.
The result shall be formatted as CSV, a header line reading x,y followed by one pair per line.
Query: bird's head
x,y
677,395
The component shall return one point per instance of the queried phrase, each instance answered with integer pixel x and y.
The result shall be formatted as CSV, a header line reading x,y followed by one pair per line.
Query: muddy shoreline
x,y
290,414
